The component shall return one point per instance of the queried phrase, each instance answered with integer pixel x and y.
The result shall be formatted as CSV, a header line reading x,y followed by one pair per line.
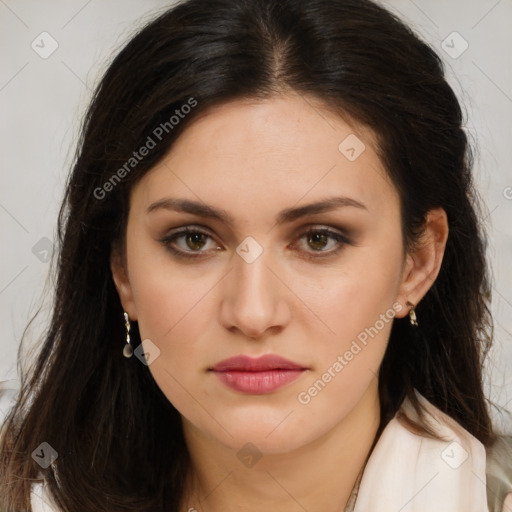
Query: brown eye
x,y
317,241
195,241
323,242
189,243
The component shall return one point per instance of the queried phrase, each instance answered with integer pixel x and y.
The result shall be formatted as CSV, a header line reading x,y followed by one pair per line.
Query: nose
x,y
254,301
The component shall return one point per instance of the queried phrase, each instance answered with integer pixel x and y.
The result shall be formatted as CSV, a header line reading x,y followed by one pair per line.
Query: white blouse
x,y
408,472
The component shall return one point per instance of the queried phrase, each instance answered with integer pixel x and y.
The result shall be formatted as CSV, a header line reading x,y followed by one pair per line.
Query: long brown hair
x,y
119,440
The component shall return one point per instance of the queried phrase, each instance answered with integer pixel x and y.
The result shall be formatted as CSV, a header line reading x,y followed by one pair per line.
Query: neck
x,y
319,476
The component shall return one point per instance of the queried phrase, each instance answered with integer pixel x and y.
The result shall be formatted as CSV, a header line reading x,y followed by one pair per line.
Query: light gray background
x,y
42,101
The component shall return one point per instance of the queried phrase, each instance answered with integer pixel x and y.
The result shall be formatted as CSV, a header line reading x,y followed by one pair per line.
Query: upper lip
x,y
266,362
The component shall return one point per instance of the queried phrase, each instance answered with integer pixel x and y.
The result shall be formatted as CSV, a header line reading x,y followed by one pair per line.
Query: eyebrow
x,y
287,215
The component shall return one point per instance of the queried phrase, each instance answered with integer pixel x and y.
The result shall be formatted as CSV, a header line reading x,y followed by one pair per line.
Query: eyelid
x,y
194,228
320,228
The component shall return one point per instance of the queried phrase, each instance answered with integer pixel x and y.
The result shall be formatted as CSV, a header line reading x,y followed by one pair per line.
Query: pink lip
x,y
257,375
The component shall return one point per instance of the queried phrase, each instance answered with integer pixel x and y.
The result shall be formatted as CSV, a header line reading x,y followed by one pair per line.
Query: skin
x,y
254,158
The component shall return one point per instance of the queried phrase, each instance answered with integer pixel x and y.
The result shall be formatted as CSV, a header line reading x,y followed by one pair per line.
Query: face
x,y
318,286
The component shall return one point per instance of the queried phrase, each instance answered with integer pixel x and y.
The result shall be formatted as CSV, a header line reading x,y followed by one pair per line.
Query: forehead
x,y
258,156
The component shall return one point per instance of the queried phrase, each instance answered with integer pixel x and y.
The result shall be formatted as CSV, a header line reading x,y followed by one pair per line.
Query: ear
x,y
422,265
122,282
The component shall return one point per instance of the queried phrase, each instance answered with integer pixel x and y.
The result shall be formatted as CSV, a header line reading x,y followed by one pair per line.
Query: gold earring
x,y
127,350
412,314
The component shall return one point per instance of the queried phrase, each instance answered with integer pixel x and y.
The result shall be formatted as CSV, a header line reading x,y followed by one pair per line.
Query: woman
x,y
272,290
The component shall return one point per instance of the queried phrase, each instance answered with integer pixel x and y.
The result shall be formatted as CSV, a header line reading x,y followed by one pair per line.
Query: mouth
x,y
257,375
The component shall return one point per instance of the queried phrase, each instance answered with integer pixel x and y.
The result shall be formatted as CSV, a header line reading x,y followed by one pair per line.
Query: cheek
x,y
360,313
173,312
164,292
355,303
171,308
171,302
353,295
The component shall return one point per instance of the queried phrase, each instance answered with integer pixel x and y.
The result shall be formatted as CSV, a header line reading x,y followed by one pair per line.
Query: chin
x,y
266,435
258,442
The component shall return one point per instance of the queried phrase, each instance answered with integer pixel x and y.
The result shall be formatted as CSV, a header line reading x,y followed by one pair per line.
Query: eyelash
x,y
338,237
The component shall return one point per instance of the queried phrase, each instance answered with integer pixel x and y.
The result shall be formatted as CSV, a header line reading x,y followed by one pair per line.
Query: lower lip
x,y
258,383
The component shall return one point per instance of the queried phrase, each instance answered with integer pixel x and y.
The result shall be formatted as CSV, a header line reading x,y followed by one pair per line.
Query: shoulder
x,y
494,461
498,466
448,469
40,499
499,474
